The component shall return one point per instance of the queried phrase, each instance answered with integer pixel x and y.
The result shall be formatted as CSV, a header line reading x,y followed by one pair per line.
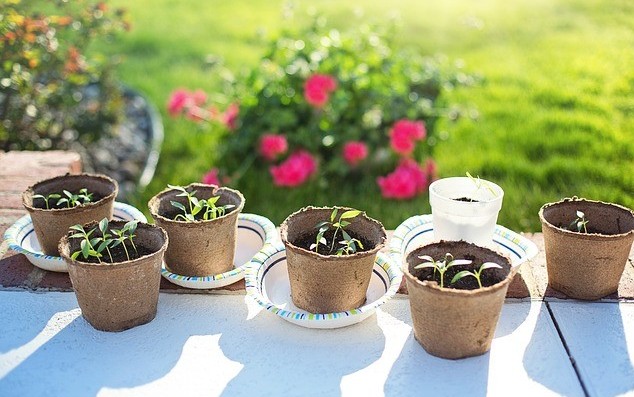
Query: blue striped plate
x,y
419,230
21,238
255,233
267,283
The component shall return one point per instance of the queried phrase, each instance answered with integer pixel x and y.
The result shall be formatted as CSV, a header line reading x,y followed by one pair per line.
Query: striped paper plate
x,y
419,230
267,282
255,232
21,238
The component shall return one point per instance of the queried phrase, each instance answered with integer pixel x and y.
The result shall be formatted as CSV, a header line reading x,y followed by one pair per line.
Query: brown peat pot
x,y
122,295
586,265
329,283
51,224
199,248
456,323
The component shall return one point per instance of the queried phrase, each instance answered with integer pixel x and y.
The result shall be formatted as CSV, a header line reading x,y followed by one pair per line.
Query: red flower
x,y
317,89
405,182
404,134
272,146
179,100
295,170
431,169
230,117
211,177
199,97
354,152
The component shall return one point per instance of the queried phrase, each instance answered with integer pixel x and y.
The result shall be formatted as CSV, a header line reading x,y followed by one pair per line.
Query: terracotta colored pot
x,y
199,248
51,225
329,283
455,323
586,265
115,297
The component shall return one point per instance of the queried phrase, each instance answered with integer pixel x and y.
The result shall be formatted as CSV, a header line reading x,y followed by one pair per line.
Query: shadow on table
x,y
20,326
598,342
79,360
286,359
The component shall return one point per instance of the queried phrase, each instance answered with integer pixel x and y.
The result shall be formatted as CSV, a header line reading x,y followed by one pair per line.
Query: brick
x,y
10,200
16,270
56,282
7,218
43,164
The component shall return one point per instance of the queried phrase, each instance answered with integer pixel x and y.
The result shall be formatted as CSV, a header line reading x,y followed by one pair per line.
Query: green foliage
x,y
73,200
442,265
476,273
349,243
44,71
481,183
206,207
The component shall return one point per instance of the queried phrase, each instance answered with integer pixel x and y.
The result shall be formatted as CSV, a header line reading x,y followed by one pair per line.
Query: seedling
x,y
73,200
580,222
349,246
480,183
207,207
123,234
87,245
94,246
46,198
338,226
476,273
441,266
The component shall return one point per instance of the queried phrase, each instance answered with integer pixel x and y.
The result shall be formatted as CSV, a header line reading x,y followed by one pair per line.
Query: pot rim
x,y
303,251
433,286
578,235
155,201
104,178
117,265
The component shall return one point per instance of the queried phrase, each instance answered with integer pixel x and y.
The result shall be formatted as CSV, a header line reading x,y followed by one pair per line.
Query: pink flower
x,y
211,177
199,97
317,89
404,134
272,146
405,182
295,170
354,152
179,100
230,117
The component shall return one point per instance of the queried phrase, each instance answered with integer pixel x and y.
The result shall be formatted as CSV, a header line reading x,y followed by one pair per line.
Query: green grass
x,y
556,105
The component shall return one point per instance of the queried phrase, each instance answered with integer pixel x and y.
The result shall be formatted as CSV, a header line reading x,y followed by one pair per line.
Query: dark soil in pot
x,y
306,240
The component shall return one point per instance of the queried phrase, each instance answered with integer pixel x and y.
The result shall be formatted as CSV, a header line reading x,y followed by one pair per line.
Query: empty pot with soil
x,y
57,203
117,286
202,223
465,208
587,245
330,254
457,319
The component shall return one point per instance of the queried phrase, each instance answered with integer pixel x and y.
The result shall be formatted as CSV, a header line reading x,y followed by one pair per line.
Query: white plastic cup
x,y
473,222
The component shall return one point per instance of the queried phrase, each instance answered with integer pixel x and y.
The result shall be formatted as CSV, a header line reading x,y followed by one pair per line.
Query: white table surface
x,y
227,345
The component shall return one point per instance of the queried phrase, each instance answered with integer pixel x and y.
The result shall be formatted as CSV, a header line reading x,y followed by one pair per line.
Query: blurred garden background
x,y
547,110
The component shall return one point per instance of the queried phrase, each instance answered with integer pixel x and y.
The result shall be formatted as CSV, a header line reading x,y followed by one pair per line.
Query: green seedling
x,y
580,223
46,198
480,183
123,234
73,200
349,247
476,273
338,226
87,247
207,207
441,266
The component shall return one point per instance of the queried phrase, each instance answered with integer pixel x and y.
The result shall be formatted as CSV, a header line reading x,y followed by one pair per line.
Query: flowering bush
x,y
45,71
325,104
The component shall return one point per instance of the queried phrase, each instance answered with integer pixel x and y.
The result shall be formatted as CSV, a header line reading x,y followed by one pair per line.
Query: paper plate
x,y
419,230
254,233
267,282
21,238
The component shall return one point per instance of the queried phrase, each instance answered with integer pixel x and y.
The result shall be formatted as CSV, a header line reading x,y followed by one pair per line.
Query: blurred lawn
x,y
556,107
